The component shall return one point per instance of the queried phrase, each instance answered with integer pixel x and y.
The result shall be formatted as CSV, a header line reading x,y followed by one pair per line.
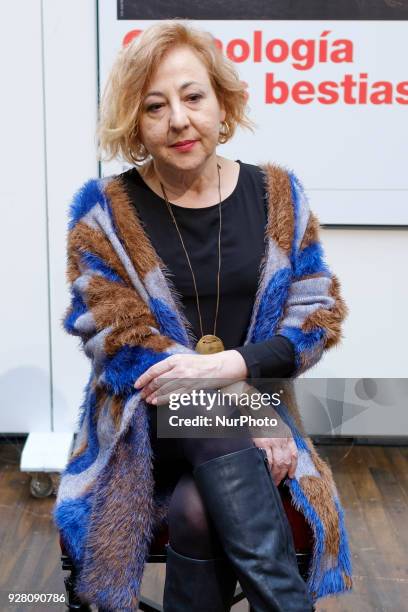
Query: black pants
x,y
191,531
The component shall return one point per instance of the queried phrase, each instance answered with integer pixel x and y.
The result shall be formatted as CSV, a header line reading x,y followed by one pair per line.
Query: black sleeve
x,y
273,358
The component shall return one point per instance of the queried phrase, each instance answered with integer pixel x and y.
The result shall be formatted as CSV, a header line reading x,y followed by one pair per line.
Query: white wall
x,y
48,112
25,402
371,265
370,401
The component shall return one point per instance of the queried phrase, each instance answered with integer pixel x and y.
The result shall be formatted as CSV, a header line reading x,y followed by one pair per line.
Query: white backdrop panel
x,y
24,358
350,157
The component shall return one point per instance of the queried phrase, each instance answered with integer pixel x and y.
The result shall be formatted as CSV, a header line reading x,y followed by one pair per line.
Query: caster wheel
x,y
41,485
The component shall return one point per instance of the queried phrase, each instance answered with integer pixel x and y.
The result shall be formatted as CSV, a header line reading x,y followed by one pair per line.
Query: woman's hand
x,y
282,454
162,378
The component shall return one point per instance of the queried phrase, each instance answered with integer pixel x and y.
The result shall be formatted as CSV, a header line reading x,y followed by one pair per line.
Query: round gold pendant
x,y
209,344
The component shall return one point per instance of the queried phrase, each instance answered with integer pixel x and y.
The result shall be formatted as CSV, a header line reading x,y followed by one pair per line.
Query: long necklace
x,y
208,343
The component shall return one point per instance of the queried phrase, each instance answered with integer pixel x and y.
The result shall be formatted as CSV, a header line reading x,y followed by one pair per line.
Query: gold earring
x,y
141,154
224,134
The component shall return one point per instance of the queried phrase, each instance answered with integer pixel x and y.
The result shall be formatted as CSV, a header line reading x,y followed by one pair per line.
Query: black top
x,y
244,217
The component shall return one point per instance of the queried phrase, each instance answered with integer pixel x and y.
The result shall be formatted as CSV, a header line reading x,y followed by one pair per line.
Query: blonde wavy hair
x,y
120,107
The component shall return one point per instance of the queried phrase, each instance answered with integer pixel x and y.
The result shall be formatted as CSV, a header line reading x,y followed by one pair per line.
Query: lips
x,y
184,146
183,143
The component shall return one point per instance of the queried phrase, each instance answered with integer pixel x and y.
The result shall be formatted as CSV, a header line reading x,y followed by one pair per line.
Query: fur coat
x,y
128,316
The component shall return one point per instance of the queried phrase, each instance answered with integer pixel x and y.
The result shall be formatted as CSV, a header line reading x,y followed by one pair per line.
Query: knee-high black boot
x,y
198,585
245,506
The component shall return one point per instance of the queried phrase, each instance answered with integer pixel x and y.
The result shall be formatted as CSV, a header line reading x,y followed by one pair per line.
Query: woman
x,y
171,98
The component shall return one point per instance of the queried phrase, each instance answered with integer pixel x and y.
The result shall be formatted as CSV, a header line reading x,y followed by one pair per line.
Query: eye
x,y
154,107
195,97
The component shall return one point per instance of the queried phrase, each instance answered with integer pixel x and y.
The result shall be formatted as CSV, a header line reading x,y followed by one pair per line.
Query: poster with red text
x,y
328,91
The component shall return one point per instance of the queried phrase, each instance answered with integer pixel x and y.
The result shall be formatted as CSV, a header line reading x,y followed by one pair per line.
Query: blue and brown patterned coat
x,y
128,316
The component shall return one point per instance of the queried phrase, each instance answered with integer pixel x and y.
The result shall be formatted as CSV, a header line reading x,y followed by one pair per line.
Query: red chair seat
x,y
301,530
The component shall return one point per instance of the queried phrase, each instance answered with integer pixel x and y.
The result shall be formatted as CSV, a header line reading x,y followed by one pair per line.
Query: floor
x,y
373,486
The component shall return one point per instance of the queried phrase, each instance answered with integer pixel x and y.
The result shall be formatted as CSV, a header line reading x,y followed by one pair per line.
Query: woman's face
x,y
180,105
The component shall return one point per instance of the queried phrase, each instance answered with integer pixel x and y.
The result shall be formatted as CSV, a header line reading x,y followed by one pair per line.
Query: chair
x,y
302,536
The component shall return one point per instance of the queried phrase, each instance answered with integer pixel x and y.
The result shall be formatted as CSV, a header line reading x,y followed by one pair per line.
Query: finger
x,y
277,476
286,457
280,475
146,377
275,471
158,381
294,455
279,464
156,370
165,393
160,390
270,457
158,384
267,450
148,390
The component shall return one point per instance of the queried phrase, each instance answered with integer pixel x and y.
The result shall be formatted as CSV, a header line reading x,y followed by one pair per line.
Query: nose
x,y
178,117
